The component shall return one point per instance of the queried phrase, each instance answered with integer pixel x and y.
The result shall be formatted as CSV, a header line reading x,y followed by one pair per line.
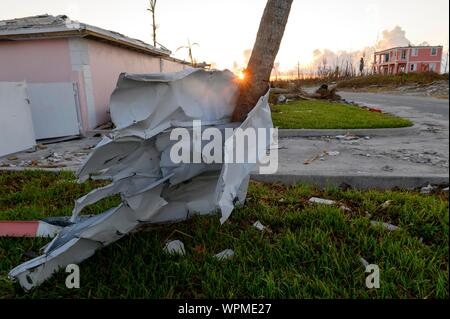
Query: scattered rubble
x,y
432,158
321,156
333,153
67,154
348,137
436,89
326,92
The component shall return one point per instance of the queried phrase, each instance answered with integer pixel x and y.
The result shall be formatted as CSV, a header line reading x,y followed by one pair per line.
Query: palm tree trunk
x,y
265,50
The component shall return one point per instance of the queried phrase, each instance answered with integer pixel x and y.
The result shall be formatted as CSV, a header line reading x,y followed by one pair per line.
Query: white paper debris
x,y
316,200
145,109
259,226
226,254
427,189
384,225
175,247
386,204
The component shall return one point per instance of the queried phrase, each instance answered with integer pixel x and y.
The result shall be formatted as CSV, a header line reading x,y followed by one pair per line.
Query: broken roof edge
x,y
75,28
409,47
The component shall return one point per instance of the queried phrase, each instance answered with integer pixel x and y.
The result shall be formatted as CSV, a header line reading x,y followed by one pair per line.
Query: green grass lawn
x,y
327,115
311,251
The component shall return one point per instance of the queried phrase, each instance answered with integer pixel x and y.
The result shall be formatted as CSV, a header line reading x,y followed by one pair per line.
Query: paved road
x,y
424,154
417,103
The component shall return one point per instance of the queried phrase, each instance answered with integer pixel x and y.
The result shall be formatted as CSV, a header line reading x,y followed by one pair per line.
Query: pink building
x,y
408,59
71,69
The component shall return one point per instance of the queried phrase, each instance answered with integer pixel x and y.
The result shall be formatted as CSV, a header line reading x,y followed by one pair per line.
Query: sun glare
x,y
241,75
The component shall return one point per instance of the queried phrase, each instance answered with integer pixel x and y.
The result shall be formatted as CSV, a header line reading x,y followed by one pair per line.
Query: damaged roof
x,y
48,26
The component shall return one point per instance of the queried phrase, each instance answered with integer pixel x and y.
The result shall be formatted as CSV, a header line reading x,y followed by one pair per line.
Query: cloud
x,y
393,38
329,59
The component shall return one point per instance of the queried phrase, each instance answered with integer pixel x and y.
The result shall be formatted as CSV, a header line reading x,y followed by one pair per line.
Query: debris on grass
x,y
386,204
427,189
316,200
175,247
345,208
259,226
384,225
375,110
226,254
155,189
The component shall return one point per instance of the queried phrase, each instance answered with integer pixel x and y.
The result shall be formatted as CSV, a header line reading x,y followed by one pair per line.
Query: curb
x,y
381,132
356,181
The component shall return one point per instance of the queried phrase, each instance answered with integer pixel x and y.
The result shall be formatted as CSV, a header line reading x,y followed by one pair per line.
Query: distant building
x,y
71,69
408,59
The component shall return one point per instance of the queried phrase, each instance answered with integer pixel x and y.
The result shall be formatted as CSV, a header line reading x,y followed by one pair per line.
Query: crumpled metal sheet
x,y
145,109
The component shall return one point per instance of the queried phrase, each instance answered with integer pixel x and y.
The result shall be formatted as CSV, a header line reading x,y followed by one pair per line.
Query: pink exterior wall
x,y
50,61
424,54
41,61
35,60
421,62
170,66
108,61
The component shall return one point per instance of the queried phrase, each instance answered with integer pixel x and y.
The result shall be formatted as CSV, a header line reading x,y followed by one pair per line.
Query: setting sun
x,y
241,75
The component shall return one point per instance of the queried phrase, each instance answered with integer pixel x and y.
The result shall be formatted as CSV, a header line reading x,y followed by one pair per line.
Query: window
x,y
413,67
434,51
403,55
415,52
432,67
386,57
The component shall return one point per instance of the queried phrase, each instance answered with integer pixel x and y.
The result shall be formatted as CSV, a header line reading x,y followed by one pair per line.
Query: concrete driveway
x,y
383,162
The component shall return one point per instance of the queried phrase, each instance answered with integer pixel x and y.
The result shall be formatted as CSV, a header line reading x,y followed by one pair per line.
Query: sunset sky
x,y
225,29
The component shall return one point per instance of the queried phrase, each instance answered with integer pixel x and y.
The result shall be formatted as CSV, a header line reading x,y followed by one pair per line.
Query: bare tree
x,y
265,50
152,10
189,47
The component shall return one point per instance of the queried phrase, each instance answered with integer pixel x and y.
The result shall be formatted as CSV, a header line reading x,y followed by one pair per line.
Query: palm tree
x,y
189,47
265,50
